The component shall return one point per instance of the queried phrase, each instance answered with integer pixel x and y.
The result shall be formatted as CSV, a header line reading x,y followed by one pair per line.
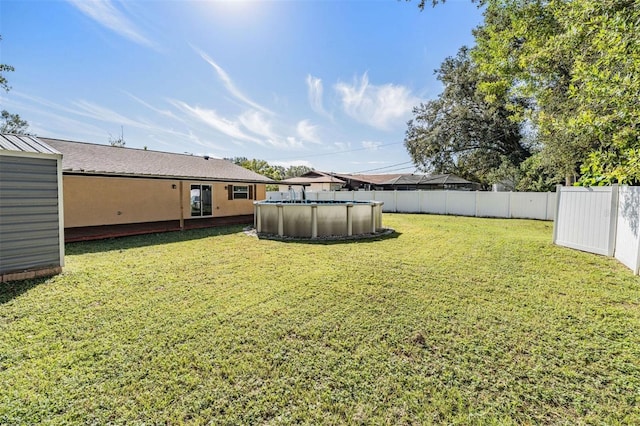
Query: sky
x,y
326,84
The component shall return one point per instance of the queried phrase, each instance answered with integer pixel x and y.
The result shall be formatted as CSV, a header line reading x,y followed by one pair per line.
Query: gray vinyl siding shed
x,y
31,211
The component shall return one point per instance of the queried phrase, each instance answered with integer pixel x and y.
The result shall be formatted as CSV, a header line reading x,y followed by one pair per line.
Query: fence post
x,y
613,220
476,206
555,217
546,206
395,201
446,204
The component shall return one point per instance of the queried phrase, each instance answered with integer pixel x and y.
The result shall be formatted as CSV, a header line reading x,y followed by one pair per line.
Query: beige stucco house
x,y
112,191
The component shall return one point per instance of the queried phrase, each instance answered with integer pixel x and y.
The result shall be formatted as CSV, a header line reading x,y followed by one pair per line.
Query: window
x,y
201,200
240,192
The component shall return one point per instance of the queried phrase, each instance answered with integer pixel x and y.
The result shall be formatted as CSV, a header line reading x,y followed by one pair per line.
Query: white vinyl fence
x,y
602,220
513,205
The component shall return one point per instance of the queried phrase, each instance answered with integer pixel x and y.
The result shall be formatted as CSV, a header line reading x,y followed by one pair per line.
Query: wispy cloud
x,y
212,119
287,164
257,123
373,146
229,84
163,112
315,93
381,107
106,14
97,112
307,131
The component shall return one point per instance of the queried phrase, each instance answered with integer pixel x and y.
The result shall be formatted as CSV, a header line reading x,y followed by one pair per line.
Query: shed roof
x,y
93,159
25,143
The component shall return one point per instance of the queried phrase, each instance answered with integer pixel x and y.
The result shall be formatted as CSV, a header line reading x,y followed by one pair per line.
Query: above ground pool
x,y
318,219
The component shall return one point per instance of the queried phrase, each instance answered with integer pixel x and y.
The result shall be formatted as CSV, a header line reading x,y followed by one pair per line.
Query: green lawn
x,y
451,320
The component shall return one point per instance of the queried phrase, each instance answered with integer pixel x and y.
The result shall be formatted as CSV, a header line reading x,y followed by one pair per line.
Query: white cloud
x,y
228,83
315,90
373,146
97,112
106,14
212,119
287,164
307,131
381,107
166,113
256,122
292,142
342,146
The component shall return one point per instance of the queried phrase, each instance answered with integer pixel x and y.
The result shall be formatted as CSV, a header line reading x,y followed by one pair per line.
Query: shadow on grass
x,y
340,240
146,240
12,289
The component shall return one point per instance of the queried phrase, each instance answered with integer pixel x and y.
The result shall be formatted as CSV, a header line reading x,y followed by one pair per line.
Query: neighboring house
x,y
430,182
357,182
312,181
31,228
113,191
322,181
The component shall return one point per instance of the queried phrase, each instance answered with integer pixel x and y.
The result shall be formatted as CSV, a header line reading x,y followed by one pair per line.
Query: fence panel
x,y
525,205
343,195
434,202
325,195
529,205
627,248
364,195
586,219
461,203
493,204
389,200
408,201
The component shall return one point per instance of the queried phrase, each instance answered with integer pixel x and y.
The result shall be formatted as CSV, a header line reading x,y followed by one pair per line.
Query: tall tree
x,y
579,63
461,132
10,123
260,167
295,171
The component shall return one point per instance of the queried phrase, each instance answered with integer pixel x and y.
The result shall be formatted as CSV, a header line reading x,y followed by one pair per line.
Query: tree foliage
x,y
276,173
569,69
461,132
13,124
10,123
579,63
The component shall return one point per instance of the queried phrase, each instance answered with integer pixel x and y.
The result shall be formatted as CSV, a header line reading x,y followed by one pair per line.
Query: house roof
x,y
371,179
313,176
443,179
25,143
93,159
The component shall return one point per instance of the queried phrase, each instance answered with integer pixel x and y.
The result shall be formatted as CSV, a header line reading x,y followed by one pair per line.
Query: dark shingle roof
x,y
24,143
86,158
370,179
448,179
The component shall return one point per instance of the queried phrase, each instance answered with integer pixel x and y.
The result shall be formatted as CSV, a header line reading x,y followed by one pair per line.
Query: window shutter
x,y
230,191
251,192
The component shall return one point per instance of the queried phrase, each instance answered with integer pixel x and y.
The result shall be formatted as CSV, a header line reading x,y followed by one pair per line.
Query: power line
x,y
386,167
333,153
